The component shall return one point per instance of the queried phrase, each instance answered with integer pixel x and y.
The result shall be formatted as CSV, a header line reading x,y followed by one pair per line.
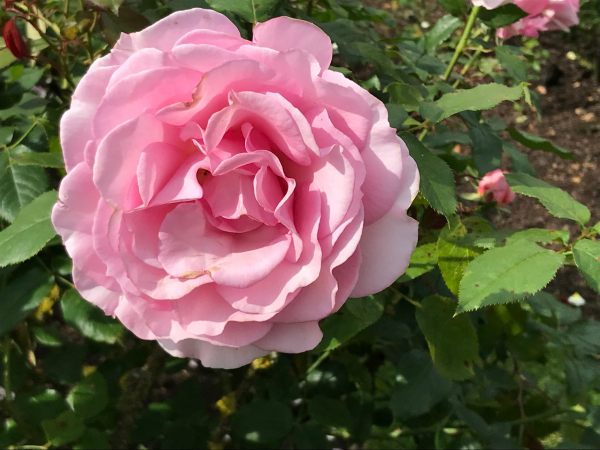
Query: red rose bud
x,y
8,3
13,40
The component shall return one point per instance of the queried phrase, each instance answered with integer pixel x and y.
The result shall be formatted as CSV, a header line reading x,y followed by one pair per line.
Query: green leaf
x,y
29,158
19,185
423,260
89,319
555,200
6,135
46,404
587,258
65,428
506,274
262,422
420,386
502,16
21,295
482,97
407,95
30,232
249,10
441,31
92,439
487,147
452,340
356,315
511,60
538,143
492,435
89,397
541,235
437,179
546,305
329,411
455,7
519,160
111,5
47,336
454,255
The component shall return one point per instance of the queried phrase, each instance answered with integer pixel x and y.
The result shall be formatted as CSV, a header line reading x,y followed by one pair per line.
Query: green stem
x,y
464,39
24,135
318,362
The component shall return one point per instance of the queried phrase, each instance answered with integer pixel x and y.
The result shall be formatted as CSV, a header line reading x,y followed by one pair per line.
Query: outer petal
x,y
214,356
76,123
284,33
164,33
291,337
387,244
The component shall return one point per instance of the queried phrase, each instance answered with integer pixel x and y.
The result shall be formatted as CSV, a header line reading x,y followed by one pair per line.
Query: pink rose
x,y
223,195
543,15
494,187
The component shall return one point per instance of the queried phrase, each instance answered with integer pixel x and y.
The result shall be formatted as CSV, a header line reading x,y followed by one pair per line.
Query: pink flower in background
x,y
494,187
223,195
544,15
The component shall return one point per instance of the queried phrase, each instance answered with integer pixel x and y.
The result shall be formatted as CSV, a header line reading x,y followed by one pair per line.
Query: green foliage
x,y
437,182
482,97
502,16
19,185
505,274
30,231
250,10
357,315
452,340
454,255
89,397
517,368
587,257
538,143
88,319
557,202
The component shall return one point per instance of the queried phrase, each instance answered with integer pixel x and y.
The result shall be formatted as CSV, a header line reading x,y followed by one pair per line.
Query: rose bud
x,y
13,40
493,187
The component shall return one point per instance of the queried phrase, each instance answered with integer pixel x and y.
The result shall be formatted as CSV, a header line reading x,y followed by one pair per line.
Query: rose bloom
x,y
494,187
542,15
223,195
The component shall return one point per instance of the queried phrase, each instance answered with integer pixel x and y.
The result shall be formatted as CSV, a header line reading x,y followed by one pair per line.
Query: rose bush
x,y
223,195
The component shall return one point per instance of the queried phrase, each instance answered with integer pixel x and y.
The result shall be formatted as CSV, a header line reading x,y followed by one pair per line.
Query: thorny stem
x,y
464,39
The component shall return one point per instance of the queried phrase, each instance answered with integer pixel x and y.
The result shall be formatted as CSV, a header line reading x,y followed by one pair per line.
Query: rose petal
x,y
385,248
119,153
284,33
291,337
213,356
164,33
